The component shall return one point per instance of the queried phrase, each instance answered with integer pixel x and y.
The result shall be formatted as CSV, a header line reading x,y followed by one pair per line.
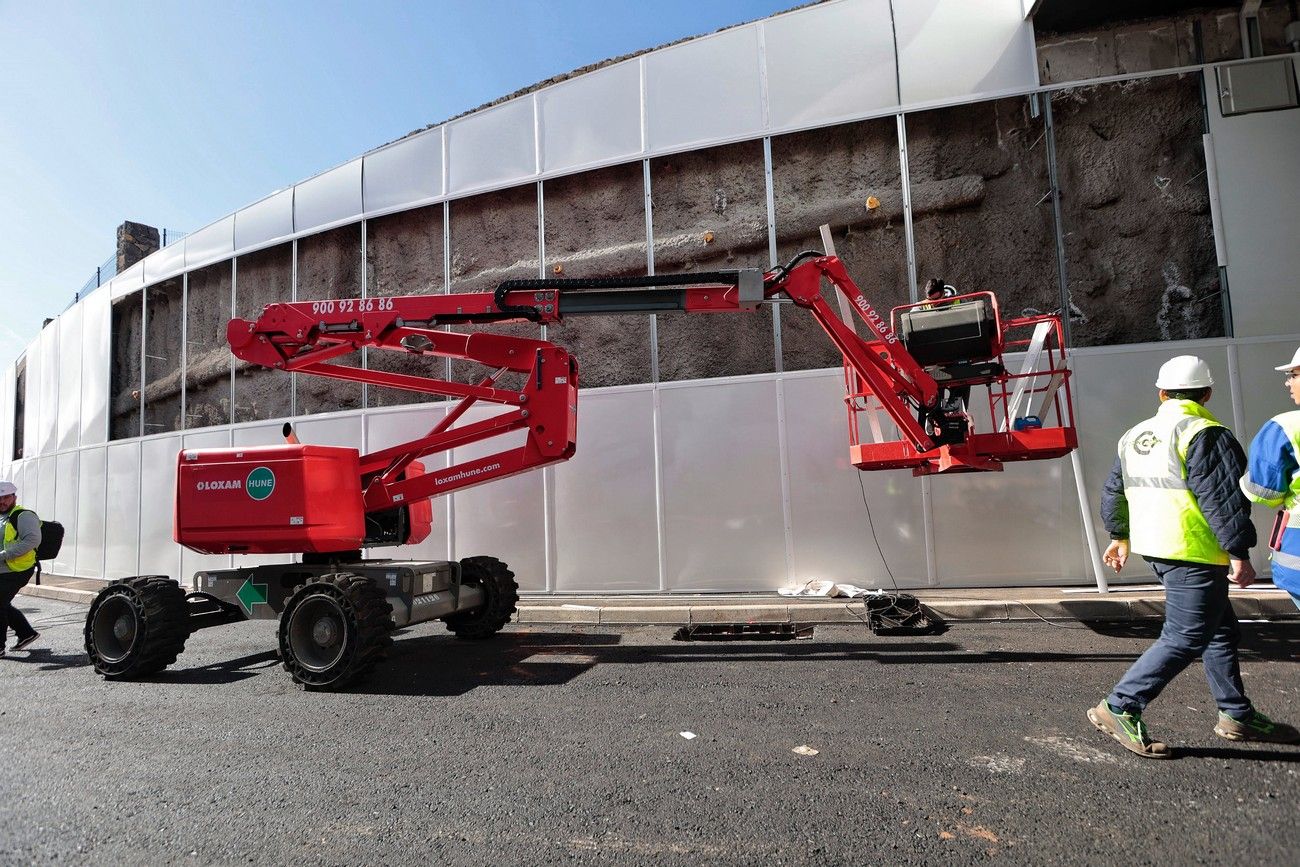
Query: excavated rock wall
x,y
329,268
208,360
1135,220
164,312
405,256
261,278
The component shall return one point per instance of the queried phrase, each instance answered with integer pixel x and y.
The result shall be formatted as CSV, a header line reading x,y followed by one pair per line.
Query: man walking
x,y
1273,478
1172,497
21,534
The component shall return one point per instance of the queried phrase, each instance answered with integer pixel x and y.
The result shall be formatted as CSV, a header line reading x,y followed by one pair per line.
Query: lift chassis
x,y
909,375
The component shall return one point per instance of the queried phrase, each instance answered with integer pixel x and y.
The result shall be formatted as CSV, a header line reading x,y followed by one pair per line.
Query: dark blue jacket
x,y
1215,463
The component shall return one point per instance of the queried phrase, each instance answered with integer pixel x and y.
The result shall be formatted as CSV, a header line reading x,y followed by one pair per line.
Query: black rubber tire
x,y
136,627
359,621
502,596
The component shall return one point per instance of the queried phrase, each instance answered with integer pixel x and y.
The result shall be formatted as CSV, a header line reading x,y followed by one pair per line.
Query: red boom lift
x,y
908,377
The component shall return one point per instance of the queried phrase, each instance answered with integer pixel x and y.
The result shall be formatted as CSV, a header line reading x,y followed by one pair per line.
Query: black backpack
x,y
51,541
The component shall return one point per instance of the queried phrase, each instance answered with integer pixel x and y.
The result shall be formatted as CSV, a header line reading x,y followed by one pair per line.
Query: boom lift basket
x,y
1013,373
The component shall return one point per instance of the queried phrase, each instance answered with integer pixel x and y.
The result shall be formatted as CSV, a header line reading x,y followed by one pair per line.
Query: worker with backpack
x,y
21,537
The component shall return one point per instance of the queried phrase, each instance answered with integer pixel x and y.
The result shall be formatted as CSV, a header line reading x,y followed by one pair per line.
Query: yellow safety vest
x,y
26,561
1165,520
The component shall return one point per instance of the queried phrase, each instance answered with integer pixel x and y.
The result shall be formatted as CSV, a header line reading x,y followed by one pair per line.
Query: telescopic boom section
x,y
312,337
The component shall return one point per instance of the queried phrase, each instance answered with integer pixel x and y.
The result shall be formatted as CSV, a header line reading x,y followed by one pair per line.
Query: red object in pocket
x,y
1279,528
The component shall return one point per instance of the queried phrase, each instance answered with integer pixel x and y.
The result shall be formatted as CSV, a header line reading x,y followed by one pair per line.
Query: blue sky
x,y
175,114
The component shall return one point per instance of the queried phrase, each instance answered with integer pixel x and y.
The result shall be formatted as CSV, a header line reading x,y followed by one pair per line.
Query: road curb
x,y
63,594
650,611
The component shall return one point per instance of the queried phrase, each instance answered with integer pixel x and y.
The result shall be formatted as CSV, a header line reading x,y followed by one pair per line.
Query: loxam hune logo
x,y
260,483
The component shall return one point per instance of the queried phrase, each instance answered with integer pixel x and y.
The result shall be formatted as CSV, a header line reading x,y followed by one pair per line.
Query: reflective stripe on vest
x,y
1290,424
25,561
1164,518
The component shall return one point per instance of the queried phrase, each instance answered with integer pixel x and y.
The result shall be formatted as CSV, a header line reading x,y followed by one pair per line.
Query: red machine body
x,y
921,428
271,499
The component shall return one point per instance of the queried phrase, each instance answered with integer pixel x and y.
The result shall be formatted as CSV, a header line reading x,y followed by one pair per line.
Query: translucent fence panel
x,y
591,118
710,214
606,535
96,367
595,227
47,421
328,198
122,544
847,176
159,553
503,519
829,61
92,517
71,343
264,221
406,171
164,318
948,49
404,256
66,511
723,523
207,351
329,268
866,529
704,90
261,278
1139,240
493,146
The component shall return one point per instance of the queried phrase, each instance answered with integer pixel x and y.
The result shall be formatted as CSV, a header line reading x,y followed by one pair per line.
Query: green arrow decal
x,y
250,594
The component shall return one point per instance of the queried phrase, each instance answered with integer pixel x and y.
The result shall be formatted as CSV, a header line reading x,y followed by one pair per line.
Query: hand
x,y
1241,573
1116,554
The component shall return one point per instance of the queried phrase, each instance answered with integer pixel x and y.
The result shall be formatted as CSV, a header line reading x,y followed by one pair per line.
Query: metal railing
x,y
107,270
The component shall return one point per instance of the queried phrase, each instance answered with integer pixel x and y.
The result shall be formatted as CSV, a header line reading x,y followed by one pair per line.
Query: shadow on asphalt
x,y
443,666
1274,641
230,671
48,660
1253,754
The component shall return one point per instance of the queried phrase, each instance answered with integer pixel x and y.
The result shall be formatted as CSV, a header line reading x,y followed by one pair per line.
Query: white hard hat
x,y
7,489
1295,362
1184,371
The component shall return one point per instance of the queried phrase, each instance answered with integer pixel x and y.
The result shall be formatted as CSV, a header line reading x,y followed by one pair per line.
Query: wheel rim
x,y
318,632
116,628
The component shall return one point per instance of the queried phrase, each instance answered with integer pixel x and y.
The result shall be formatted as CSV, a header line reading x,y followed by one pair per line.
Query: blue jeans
x,y
1199,622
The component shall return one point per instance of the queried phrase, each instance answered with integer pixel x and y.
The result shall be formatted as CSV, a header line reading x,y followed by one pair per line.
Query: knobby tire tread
x,y
164,624
502,598
367,606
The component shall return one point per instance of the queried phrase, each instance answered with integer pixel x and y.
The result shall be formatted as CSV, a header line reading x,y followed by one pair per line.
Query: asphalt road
x,y
549,746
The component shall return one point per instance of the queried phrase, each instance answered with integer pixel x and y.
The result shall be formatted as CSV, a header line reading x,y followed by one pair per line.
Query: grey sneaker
x,y
1129,730
23,642
1256,727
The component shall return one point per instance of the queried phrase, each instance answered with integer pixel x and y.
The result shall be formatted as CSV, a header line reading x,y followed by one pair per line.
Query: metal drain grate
x,y
744,632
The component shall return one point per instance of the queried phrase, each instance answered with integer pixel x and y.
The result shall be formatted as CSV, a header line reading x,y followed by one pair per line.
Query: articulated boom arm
x,y
312,336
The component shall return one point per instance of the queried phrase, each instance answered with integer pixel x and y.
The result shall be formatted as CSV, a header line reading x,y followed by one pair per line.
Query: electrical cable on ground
x,y
871,524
